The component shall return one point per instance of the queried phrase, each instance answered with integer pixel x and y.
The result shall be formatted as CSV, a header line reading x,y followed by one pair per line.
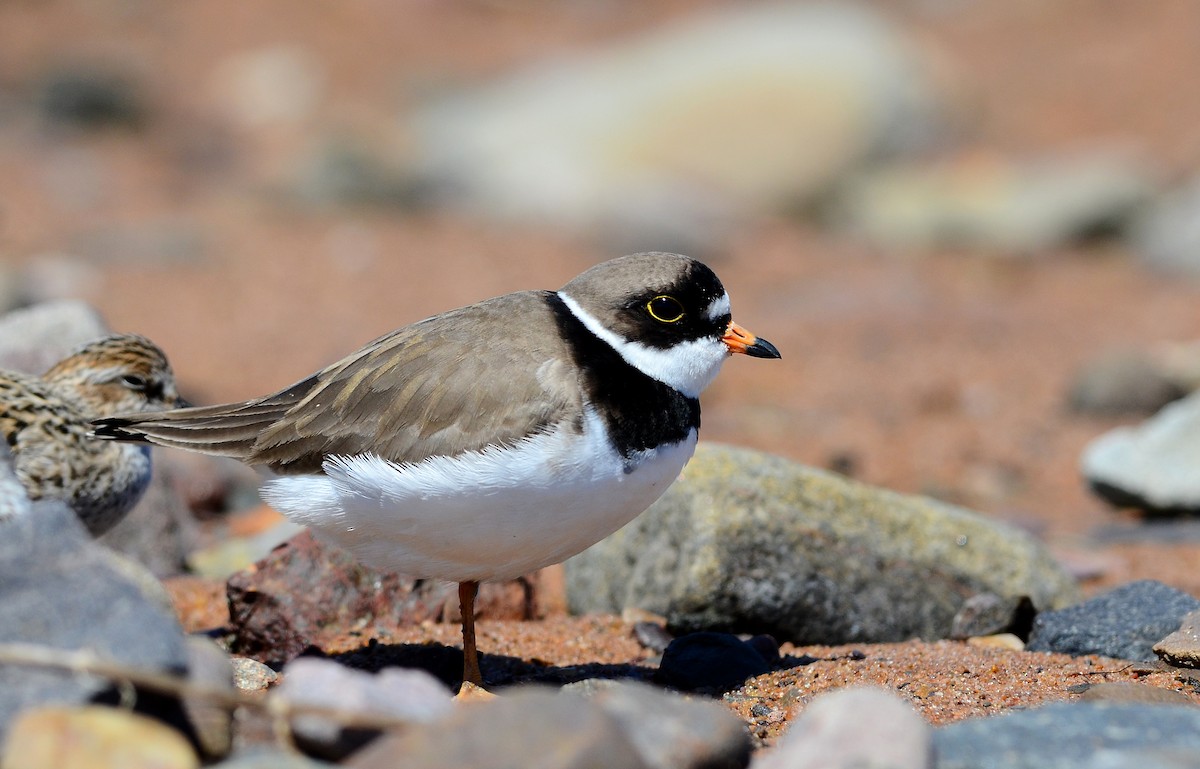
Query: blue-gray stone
x,y
1074,735
60,590
1123,623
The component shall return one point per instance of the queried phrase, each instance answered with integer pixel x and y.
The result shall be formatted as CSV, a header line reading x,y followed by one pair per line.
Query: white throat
x,y
688,367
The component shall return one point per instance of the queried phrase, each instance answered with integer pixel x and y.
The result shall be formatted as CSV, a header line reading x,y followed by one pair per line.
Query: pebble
x,y
1167,237
94,737
211,723
1124,383
653,636
90,98
1150,466
250,675
271,758
854,728
674,732
279,84
998,641
32,339
1075,735
746,540
996,204
1182,647
1128,691
1124,623
394,693
564,731
710,662
988,614
344,171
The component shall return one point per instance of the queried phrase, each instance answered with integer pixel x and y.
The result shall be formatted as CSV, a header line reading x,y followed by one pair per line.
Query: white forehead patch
x,y
719,307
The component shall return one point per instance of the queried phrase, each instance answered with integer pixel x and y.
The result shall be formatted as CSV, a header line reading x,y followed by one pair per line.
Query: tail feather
x,y
229,430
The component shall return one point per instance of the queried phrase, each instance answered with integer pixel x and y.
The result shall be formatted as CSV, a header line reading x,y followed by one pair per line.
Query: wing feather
x,y
442,386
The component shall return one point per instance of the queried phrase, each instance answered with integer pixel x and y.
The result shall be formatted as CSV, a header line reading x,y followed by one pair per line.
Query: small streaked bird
x,y
492,440
45,422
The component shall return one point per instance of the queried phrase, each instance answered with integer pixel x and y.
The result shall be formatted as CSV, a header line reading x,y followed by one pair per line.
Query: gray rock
x,y
1150,466
12,289
344,171
34,338
1123,623
854,728
749,542
394,693
1124,383
211,724
160,243
1130,691
1167,236
564,731
270,86
90,97
60,590
159,532
1078,735
995,205
60,276
758,105
989,614
1182,647
675,732
272,758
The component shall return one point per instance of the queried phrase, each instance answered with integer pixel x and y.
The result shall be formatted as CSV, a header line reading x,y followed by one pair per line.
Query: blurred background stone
x,y
1149,466
760,106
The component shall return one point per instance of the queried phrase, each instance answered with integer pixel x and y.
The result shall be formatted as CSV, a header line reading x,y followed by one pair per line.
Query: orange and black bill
x,y
739,340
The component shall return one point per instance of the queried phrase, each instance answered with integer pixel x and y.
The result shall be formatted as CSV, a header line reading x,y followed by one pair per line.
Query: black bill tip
x,y
762,349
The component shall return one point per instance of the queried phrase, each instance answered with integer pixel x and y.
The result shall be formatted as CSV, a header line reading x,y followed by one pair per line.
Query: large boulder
x,y
750,542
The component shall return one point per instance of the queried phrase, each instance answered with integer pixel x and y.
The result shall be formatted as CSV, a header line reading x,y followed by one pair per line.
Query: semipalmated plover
x,y
492,440
46,420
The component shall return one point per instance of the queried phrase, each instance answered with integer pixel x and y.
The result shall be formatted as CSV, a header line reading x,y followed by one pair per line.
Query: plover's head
x,y
117,374
667,315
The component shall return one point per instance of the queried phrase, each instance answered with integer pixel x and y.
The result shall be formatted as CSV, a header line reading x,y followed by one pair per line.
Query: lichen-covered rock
x,y
750,542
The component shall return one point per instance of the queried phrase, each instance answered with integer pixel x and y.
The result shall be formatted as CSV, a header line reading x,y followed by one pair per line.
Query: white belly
x,y
489,515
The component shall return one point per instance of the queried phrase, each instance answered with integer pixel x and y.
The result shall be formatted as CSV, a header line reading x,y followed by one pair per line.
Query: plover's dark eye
x,y
134,382
665,309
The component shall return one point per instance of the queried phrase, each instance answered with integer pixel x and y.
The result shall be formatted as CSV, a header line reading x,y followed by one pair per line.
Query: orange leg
x,y
466,604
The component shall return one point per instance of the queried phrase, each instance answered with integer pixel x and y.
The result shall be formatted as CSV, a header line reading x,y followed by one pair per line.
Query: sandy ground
x,y
943,374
